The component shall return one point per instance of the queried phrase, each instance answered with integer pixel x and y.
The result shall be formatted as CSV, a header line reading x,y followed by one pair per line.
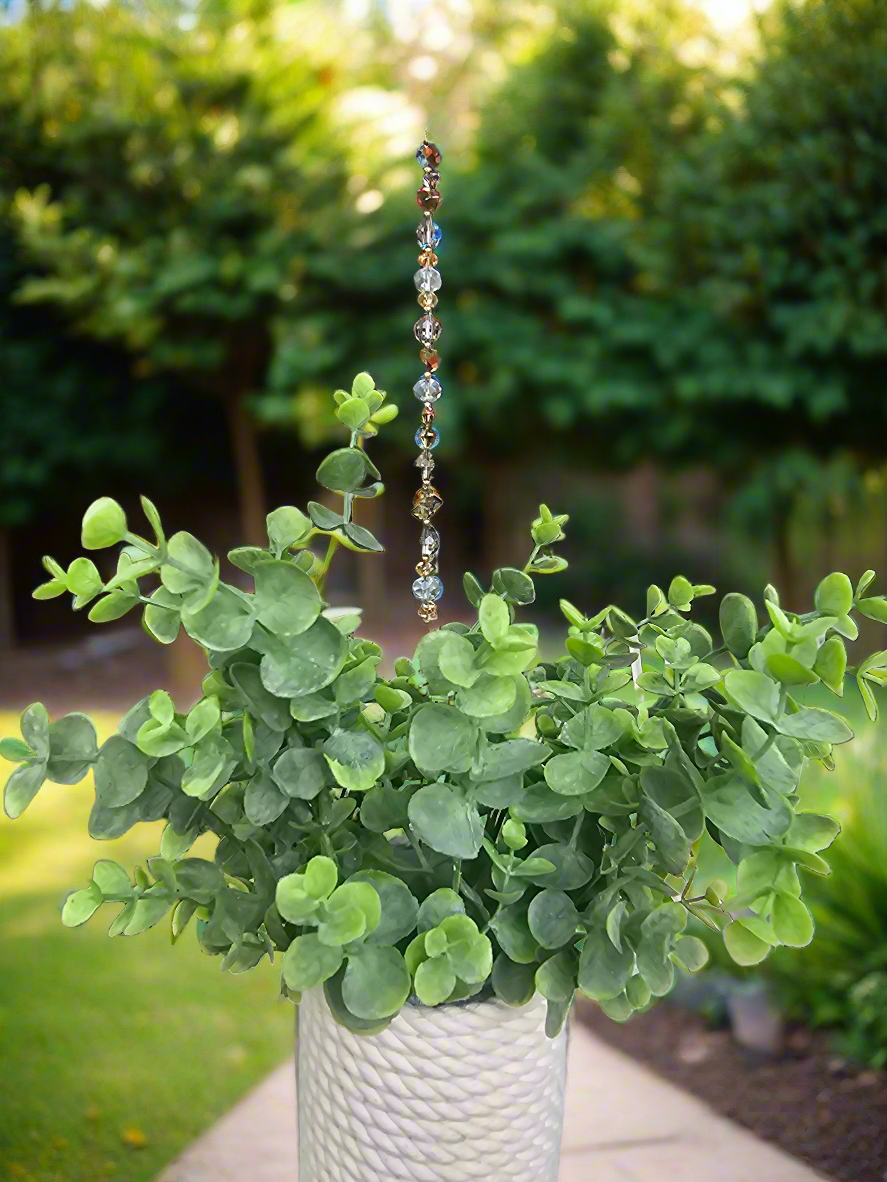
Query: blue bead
x,y
431,446
428,587
429,238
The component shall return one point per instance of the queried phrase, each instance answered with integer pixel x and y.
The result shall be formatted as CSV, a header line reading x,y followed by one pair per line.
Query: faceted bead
x,y
429,234
428,258
428,153
428,389
431,178
427,437
428,587
425,461
427,279
429,540
426,503
427,612
428,199
426,300
430,357
427,329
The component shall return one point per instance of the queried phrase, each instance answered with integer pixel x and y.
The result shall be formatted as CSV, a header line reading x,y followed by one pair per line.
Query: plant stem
x,y
331,549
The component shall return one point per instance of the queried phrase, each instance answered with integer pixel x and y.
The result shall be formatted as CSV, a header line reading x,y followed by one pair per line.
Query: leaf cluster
x,y
486,821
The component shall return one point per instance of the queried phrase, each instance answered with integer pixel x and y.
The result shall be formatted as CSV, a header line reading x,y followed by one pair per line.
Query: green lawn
x,y
115,1053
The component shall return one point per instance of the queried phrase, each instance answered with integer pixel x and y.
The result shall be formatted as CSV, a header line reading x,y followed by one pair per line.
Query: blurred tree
x,y
170,181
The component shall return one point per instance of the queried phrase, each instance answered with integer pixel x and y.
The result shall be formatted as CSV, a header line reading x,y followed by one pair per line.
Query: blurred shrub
x,y
840,980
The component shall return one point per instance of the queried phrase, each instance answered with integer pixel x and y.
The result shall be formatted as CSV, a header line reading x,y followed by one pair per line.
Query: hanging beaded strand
x,y
428,586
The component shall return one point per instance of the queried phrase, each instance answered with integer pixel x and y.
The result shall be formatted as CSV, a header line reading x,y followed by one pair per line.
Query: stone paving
x,y
622,1124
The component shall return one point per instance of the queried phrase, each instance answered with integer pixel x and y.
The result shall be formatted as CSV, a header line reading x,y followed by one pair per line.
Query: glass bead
x,y
428,437
428,199
428,154
429,540
426,300
427,329
428,389
429,234
430,357
427,612
424,461
428,587
426,503
427,279
427,258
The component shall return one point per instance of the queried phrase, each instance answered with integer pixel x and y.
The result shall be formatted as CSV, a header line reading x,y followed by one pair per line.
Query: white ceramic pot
x,y
473,1090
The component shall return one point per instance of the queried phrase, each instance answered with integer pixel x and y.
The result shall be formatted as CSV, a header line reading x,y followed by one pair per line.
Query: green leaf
x,y
353,909
80,905
831,664
356,684
446,821
834,595
732,808
691,953
511,757
376,982
456,660
474,592
811,831
162,616
439,905
790,672
224,624
511,928
148,911
323,517
672,849
273,711
311,707
22,786
556,978
874,608
572,868
552,918
362,538
792,922
344,471
442,738
285,526
50,590
488,697
494,618
435,981
307,962
15,750
288,601
603,969
680,593
84,579
121,772
576,773
194,569
754,693
300,772
72,749
104,524
592,729
739,623
303,664
514,585
816,725
399,906
744,947
353,413
356,759
263,802
112,607
513,983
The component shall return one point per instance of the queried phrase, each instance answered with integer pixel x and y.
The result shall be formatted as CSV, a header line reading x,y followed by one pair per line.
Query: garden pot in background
x,y
473,1090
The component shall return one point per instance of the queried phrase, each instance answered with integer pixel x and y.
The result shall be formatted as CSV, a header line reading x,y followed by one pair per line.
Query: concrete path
x,y
622,1124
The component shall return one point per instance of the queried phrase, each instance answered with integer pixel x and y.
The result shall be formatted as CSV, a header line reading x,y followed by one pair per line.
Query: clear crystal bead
x,y
427,437
428,587
425,461
427,329
429,539
426,503
427,279
428,389
428,234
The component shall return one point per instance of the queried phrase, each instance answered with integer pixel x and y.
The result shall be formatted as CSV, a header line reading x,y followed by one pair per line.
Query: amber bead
x,y
430,357
428,258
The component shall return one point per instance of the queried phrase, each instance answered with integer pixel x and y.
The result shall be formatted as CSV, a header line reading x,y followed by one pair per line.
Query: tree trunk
x,y
247,470
785,567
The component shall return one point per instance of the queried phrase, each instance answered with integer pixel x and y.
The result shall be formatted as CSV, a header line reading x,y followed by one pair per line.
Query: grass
x,y
115,1053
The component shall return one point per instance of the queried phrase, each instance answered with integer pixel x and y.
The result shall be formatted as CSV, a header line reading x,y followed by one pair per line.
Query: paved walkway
x,y
622,1124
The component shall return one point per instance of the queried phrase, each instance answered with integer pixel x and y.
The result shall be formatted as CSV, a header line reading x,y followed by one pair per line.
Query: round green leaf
x,y
72,749
104,524
789,671
263,802
744,946
22,786
442,738
576,772
356,759
288,601
376,982
305,663
121,772
80,905
162,616
495,619
84,578
552,918
446,821
514,585
224,624
488,697
438,906
344,471
792,922
435,981
739,623
300,772
604,970
556,977
834,595
513,983
399,906
307,962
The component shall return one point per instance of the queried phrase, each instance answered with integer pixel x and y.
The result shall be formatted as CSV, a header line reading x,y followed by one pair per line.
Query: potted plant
x,y
442,857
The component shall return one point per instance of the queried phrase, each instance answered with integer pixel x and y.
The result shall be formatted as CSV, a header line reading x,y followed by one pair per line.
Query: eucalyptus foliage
x,y
483,822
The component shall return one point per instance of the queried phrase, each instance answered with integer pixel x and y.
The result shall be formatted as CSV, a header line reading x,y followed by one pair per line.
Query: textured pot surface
x,y
468,1091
